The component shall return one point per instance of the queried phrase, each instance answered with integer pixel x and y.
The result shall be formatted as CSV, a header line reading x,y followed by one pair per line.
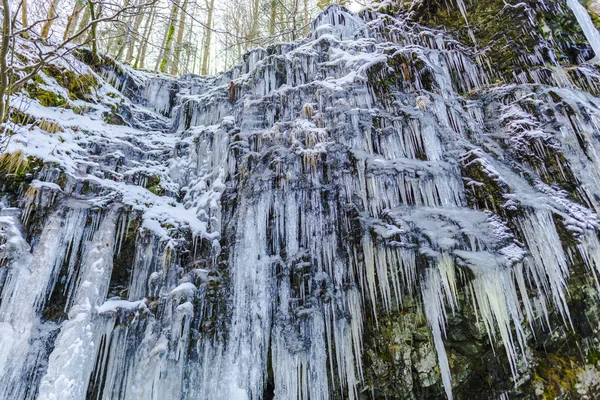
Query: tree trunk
x,y
255,29
117,39
133,34
188,53
306,18
93,32
177,57
83,23
141,57
73,19
207,38
4,47
273,17
51,17
24,21
163,59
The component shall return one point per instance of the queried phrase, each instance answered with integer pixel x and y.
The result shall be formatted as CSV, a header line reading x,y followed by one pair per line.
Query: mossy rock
x,y
504,30
17,171
557,375
153,185
45,97
488,192
114,119
80,87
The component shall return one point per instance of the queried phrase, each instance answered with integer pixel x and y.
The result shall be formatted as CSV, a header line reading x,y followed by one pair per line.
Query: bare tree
x,y
4,48
24,21
73,18
163,60
13,76
179,42
133,34
207,36
141,56
50,19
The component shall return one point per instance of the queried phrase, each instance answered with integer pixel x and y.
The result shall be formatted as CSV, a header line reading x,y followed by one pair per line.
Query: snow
x,y
113,306
185,290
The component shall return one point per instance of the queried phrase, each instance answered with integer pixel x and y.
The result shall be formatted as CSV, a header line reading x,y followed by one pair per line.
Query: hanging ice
x,y
587,25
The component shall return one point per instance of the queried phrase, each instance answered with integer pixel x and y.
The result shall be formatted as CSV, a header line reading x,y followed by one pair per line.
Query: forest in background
x,y
168,36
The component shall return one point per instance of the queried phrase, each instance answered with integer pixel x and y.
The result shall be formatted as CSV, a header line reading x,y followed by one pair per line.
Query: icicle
x,y
587,25
497,301
28,285
548,264
589,248
72,360
434,308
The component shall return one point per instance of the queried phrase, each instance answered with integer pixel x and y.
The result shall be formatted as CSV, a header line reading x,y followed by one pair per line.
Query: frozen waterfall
x,y
373,211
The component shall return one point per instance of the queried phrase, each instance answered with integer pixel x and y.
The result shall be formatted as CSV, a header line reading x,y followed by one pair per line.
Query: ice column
x,y
72,361
585,21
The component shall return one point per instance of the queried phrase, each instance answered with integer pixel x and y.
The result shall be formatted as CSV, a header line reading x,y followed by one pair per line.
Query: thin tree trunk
x,y
197,50
163,60
306,17
176,59
254,30
133,34
73,19
294,26
273,17
83,23
93,31
118,39
188,52
51,17
24,21
141,57
4,47
207,38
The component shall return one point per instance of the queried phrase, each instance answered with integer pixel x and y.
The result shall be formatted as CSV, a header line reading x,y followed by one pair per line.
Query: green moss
x,y
17,172
170,32
153,185
45,97
503,29
24,59
38,79
79,87
558,376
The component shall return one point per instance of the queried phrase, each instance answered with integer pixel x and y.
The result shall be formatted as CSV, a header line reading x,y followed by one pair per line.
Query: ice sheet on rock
x,y
30,280
338,22
72,359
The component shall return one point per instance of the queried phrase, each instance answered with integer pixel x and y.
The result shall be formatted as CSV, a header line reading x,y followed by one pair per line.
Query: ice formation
x,y
234,238
584,19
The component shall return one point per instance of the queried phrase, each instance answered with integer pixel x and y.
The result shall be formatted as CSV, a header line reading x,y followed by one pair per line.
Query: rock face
x,y
402,205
